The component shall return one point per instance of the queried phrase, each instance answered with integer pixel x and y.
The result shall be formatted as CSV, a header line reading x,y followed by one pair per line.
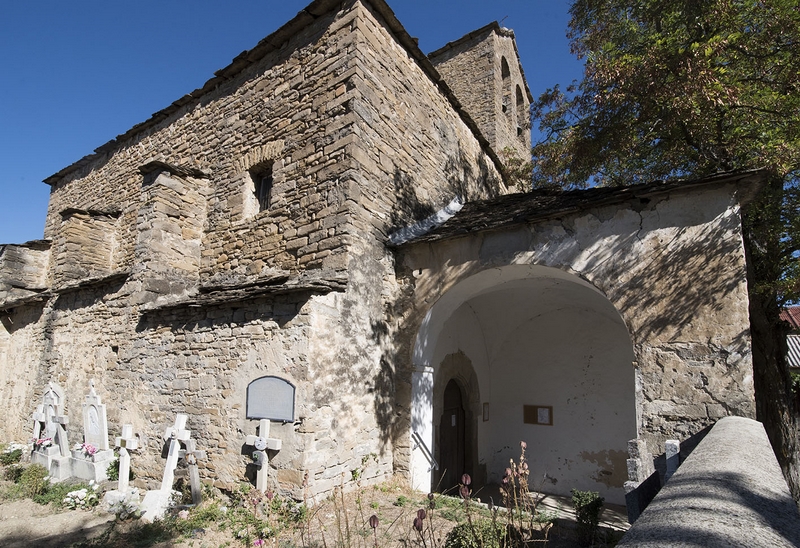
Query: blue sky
x,y
77,74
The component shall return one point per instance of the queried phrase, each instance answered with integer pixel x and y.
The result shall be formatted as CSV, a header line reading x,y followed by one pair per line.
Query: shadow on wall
x,y
463,180
687,279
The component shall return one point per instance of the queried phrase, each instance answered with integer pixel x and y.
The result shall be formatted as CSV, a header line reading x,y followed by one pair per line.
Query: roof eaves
x,y
514,205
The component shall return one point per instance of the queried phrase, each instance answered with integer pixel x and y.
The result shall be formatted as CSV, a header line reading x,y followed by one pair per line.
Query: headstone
x,y
156,503
270,398
95,427
50,445
90,460
262,443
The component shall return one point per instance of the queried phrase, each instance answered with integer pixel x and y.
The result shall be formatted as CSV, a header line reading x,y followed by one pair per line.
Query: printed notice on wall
x,y
538,414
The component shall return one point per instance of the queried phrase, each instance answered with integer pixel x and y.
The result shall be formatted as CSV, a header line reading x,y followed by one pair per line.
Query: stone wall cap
x,y
730,491
321,283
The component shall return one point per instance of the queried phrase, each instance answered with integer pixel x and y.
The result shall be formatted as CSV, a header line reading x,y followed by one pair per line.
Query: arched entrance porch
x,y
550,363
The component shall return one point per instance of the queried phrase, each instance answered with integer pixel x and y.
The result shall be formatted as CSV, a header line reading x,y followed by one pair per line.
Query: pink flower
x,y
258,542
89,449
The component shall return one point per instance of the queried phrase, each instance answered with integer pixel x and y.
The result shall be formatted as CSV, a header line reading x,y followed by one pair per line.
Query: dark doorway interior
x,y
451,438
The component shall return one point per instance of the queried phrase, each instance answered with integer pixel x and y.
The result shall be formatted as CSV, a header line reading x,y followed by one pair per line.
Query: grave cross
x,y
191,455
262,442
124,442
176,434
47,420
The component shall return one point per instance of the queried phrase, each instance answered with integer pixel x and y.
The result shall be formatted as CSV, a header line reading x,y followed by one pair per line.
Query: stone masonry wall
x,y
290,107
496,99
412,155
192,224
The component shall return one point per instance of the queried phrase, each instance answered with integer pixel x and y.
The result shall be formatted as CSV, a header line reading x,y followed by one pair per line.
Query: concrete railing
x,y
729,492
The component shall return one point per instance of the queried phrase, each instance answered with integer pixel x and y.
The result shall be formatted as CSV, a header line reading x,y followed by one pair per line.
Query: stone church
x,y
330,212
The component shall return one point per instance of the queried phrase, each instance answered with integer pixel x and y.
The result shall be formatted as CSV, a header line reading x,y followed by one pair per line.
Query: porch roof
x,y
540,205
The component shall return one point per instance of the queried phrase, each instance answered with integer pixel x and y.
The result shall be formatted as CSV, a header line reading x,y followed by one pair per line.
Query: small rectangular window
x,y
262,180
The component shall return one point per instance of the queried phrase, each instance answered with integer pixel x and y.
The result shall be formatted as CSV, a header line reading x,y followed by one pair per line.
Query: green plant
x,y
588,505
33,480
402,501
112,473
7,458
482,533
13,472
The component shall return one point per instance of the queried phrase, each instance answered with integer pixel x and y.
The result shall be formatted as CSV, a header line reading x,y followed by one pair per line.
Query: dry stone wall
x,y
181,189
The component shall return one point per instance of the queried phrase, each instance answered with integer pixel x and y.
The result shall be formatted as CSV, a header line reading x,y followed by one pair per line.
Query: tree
x,y
682,88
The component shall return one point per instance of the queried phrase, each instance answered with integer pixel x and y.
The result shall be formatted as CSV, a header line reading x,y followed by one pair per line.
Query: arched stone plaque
x,y
270,398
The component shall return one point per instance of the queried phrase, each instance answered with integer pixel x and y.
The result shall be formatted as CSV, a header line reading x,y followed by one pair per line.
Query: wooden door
x,y
451,440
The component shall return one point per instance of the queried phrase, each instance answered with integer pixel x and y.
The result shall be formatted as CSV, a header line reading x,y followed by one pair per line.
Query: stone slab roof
x,y
276,41
541,205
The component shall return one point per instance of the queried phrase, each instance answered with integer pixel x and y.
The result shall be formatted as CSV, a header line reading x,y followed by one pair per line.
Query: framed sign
x,y
538,414
270,398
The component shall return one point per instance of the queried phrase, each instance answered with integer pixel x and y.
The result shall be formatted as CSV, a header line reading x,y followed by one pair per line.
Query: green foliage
x,y
450,508
10,457
516,170
682,88
402,501
588,505
32,481
482,533
112,473
795,375
13,472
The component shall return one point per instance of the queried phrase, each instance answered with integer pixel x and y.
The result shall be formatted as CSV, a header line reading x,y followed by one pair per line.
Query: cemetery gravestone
x,y
123,500
268,398
156,503
90,460
50,446
190,456
124,442
262,443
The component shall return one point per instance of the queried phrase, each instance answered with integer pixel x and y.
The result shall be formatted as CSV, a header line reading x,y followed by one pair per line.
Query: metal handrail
x,y
425,451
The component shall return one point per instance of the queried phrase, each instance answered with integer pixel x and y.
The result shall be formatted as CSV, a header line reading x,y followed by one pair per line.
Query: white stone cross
x,y
262,442
176,434
124,442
